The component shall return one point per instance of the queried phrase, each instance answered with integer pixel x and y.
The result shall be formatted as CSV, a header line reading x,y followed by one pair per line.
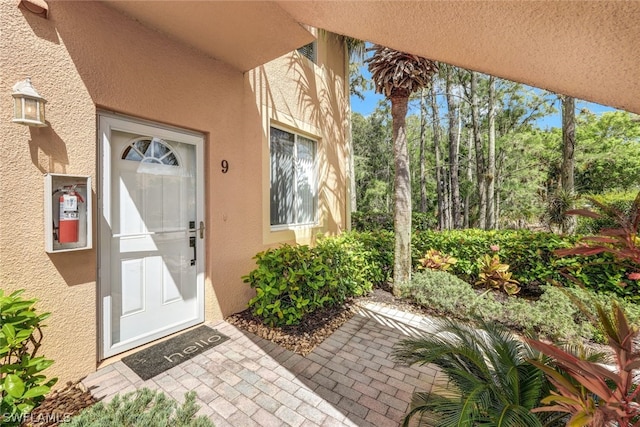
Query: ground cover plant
x,y
557,314
142,408
22,384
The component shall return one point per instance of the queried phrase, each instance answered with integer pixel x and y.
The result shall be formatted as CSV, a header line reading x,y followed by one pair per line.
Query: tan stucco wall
x,y
86,57
586,49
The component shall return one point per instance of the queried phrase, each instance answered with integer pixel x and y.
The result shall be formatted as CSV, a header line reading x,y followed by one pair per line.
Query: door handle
x,y
202,229
192,243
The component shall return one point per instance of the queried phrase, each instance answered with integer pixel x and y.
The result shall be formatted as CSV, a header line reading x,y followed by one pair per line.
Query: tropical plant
x,y
592,394
621,241
142,408
22,384
397,75
557,212
436,260
490,379
496,275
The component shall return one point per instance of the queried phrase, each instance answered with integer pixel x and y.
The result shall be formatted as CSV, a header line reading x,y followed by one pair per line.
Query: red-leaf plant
x,y
593,394
622,241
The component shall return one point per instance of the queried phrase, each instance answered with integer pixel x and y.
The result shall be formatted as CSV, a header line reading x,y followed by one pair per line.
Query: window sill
x,y
294,227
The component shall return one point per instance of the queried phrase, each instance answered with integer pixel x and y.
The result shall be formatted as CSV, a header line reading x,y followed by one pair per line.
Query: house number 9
x,y
225,166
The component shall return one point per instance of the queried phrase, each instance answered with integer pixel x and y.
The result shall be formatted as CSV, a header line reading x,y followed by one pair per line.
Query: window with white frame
x,y
294,182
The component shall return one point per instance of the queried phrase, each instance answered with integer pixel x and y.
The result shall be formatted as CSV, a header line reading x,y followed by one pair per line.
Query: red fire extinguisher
x,y
69,225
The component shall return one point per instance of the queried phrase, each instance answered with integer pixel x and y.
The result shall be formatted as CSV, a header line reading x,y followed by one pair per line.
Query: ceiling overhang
x,y
243,34
586,49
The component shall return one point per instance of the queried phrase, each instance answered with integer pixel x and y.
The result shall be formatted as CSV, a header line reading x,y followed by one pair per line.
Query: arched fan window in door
x,y
150,150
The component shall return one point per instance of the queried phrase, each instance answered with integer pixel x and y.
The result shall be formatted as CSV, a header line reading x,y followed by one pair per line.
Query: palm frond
x,y
491,381
394,72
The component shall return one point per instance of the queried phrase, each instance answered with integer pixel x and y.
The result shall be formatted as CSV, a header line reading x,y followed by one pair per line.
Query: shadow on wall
x,y
41,27
325,102
48,151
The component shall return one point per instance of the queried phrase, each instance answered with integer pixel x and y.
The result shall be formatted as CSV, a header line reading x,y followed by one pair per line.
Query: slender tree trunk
x,y
568,160
480,168
467,197
402,211
491,166
454,185
423,169
446,210
436,144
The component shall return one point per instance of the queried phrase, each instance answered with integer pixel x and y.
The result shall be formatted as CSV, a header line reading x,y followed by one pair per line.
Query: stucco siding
x,y
87,57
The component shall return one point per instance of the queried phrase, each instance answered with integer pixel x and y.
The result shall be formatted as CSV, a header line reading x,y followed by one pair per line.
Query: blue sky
x,y
371,99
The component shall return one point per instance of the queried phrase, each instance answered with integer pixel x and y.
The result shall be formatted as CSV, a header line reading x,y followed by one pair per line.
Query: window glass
x,y
147,150
293,179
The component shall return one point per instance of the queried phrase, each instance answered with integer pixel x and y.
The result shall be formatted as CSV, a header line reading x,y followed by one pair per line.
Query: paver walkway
x,y
349,380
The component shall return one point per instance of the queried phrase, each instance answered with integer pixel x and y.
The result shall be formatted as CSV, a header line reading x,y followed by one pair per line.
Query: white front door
x,y
151,229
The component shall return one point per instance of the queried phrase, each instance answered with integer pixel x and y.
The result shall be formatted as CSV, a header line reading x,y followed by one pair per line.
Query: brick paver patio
x,y
349,380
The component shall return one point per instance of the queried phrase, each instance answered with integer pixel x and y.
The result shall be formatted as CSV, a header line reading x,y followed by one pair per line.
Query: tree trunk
x,y
568,160
454,185
446,197
436,144
480,168
423,169
491,166
402,211
467,197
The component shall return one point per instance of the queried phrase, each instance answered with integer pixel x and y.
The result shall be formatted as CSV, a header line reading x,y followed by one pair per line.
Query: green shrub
x,y
377,221
292,281
142,408
531,259
22,385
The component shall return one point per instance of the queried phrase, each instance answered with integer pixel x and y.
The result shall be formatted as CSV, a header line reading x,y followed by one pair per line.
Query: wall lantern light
x,y
28,105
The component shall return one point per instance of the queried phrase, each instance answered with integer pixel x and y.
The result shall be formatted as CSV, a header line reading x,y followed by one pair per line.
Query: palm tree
x,y
491,382
397,75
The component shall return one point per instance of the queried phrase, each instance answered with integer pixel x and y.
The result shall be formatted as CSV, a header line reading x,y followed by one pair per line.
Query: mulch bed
x,y
302,338
316,326
59,406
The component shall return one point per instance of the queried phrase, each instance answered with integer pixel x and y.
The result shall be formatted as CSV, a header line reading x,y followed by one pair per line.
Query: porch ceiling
x,y
244,34
581,48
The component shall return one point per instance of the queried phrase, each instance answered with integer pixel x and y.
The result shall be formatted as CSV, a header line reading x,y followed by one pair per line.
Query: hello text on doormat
x,y
165,355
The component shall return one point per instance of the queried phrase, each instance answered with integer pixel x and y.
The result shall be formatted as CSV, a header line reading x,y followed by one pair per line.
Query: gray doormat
x,y
165,355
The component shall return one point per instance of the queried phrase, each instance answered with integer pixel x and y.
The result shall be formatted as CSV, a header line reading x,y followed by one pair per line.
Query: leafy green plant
x,y
378,221
496,275
291,281
593,394
22,385
142,408
435,260
490,379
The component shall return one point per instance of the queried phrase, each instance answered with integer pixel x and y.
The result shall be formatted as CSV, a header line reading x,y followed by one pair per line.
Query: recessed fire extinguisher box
x,y
67,204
